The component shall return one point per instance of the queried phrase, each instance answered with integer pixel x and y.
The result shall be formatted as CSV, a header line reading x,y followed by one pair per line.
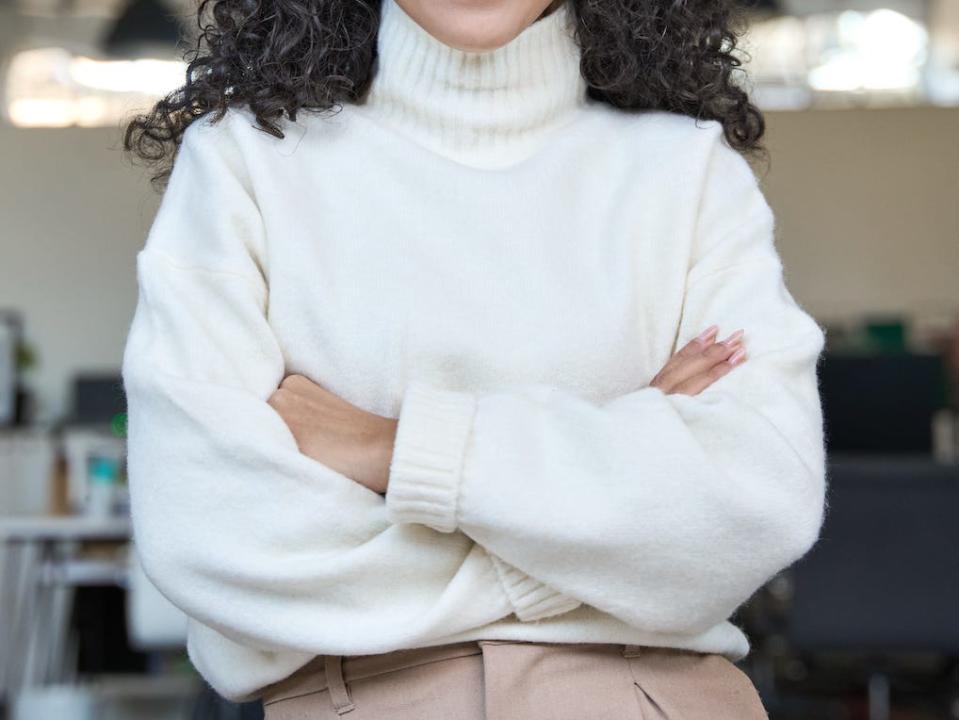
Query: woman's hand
x,y
700,363
327,428
359,444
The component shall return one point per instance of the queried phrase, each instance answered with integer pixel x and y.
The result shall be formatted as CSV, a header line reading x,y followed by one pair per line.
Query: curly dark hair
x,y
290,55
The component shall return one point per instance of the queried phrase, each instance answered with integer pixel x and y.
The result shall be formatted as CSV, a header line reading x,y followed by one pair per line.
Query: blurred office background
x,y
862,101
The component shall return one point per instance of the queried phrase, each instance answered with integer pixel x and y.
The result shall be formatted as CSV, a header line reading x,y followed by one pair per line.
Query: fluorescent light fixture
x,y
51,87
154,77
877,50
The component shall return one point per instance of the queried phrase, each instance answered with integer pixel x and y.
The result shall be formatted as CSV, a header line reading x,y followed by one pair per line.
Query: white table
x,y
40,568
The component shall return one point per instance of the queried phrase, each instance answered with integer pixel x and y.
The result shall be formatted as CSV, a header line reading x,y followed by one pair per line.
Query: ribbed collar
x,y
488,108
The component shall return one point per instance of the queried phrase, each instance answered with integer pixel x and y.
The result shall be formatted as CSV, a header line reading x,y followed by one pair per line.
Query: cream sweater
x,y
503,264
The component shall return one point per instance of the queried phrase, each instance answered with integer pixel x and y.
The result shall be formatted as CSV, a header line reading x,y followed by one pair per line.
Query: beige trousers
x,y
507,680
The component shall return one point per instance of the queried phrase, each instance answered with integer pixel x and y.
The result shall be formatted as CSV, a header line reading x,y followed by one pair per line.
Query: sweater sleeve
x,y
233,524
665,510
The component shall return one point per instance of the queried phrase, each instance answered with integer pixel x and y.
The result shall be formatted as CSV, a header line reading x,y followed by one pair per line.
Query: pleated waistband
x,y
312,677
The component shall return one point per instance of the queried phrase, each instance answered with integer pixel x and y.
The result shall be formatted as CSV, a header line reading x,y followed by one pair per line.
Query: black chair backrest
x,y
97,398
881,402
884,575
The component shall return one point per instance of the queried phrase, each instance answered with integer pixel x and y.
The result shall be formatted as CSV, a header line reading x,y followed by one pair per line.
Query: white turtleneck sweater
x,y
503,264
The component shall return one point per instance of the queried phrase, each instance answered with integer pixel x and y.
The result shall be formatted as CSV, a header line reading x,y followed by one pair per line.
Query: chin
x,y
473,27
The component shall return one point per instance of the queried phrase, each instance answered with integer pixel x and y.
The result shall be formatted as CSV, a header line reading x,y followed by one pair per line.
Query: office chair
x,y
883,578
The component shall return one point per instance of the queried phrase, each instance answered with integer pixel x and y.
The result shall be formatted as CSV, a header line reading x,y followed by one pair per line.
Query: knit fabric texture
x,y
503,264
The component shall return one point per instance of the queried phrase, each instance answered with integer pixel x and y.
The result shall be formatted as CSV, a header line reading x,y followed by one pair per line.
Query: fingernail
x,y
737,357
707,333
733,337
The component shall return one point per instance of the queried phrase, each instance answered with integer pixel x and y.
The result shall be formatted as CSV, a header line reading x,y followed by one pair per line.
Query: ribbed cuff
x,y
531,599
431,435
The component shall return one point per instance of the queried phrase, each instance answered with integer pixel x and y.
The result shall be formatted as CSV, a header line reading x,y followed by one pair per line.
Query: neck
x,y
486,108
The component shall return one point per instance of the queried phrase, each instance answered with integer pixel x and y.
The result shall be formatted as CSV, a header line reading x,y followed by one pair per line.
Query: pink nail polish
x,y
737,357
733,337
707,333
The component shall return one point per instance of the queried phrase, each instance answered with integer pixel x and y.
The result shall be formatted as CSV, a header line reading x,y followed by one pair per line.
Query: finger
x,y
696,345
715,353
700,382
697,384
672,375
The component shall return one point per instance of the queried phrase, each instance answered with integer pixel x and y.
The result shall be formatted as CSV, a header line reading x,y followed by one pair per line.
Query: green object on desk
x,y
118,424
886,335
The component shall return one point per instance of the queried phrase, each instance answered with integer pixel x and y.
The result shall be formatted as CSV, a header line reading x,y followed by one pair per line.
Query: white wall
x,y
868,208
73,213
867,204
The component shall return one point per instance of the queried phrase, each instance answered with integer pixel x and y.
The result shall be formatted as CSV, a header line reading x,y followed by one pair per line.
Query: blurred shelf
x,y
65,527
135,687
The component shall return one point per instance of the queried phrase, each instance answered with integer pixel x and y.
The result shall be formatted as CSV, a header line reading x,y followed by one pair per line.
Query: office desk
x,y
40,567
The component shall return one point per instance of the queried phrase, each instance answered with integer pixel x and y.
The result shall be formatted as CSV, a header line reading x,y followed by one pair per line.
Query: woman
x,y
430,414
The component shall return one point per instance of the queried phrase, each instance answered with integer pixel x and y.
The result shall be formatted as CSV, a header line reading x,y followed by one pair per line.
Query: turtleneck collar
x,y
485,108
